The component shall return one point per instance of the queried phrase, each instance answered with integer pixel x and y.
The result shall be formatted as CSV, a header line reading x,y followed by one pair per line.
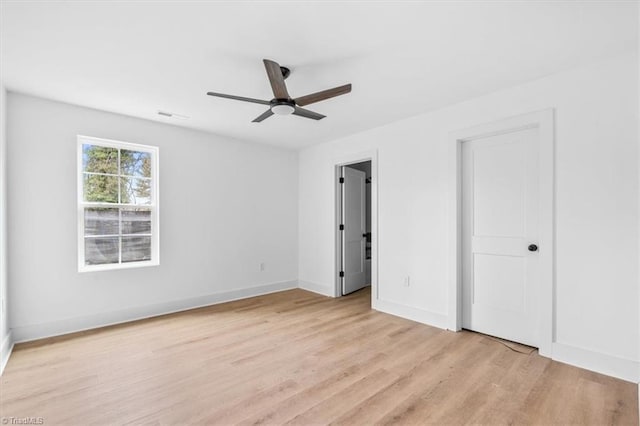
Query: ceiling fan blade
x,y
276,79
321,96
308,114
239,98
263,116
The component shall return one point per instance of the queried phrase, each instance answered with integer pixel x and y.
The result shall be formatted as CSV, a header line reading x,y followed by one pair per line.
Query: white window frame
x,y
153,206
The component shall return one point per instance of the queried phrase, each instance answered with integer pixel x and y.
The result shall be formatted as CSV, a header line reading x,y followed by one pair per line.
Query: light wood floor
x,y
299,358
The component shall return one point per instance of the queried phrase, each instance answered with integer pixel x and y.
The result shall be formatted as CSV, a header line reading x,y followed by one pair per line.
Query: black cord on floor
x,y
505,344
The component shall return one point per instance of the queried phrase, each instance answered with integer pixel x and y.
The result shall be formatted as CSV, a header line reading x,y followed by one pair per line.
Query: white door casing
x,y
543,121
354,234
337,165
500,262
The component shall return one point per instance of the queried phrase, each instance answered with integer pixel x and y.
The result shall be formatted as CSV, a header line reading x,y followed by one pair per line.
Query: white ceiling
x,y
136,58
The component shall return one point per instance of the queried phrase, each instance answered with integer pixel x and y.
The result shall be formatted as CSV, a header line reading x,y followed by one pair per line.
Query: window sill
x,y
116,266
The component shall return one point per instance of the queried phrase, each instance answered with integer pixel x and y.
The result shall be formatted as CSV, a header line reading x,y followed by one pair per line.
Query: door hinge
x,y
341,274
341,180
341,227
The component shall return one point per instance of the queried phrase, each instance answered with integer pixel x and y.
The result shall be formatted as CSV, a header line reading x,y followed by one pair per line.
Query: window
x,y
117,205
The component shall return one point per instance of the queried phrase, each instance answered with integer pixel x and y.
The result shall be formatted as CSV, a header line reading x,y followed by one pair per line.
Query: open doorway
x,y
354,213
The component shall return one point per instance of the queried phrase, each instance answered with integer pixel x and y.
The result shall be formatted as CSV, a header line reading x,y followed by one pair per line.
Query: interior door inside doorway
x,y
356,229
500,236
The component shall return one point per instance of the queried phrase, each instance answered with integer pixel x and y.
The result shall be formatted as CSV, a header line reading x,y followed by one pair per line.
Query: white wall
x,y
5,336
225,206
596,324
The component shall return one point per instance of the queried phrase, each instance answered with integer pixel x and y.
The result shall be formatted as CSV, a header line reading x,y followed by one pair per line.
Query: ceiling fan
x,y
282,103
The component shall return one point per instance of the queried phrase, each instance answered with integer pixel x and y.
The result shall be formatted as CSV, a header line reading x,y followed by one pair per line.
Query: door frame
x,y
339,162
544,122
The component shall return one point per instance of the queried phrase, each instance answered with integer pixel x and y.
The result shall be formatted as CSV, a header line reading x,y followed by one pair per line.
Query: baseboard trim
x,y
5,350
56,328
316,288
610,365
433,319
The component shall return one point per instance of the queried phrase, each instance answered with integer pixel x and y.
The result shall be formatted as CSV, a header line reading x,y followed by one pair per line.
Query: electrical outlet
x,y
262,267
407,281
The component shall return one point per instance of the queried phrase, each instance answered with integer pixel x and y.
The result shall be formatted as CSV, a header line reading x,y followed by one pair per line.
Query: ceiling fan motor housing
x,y
282,106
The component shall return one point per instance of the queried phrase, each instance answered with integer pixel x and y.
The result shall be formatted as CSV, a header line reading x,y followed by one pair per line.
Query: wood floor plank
x,y
295,357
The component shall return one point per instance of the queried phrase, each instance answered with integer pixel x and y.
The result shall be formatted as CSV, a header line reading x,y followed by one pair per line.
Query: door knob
x,y
533,247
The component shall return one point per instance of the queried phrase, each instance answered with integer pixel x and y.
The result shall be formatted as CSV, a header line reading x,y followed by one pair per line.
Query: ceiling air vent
x,y
172,115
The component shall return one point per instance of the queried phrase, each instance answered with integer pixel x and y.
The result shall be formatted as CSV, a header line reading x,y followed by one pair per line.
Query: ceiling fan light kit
x,y
282,108
282,103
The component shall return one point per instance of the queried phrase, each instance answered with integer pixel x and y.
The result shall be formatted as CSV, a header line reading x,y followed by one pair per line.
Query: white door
x,y
354,233
500,270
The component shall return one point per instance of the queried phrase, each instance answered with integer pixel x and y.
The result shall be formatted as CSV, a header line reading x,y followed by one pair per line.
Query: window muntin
x,y
117,204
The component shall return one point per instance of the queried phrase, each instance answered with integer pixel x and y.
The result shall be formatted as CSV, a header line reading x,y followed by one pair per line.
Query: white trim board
x,y
5,350
602,363
625,369
321,289
544,121
39,331
422,316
